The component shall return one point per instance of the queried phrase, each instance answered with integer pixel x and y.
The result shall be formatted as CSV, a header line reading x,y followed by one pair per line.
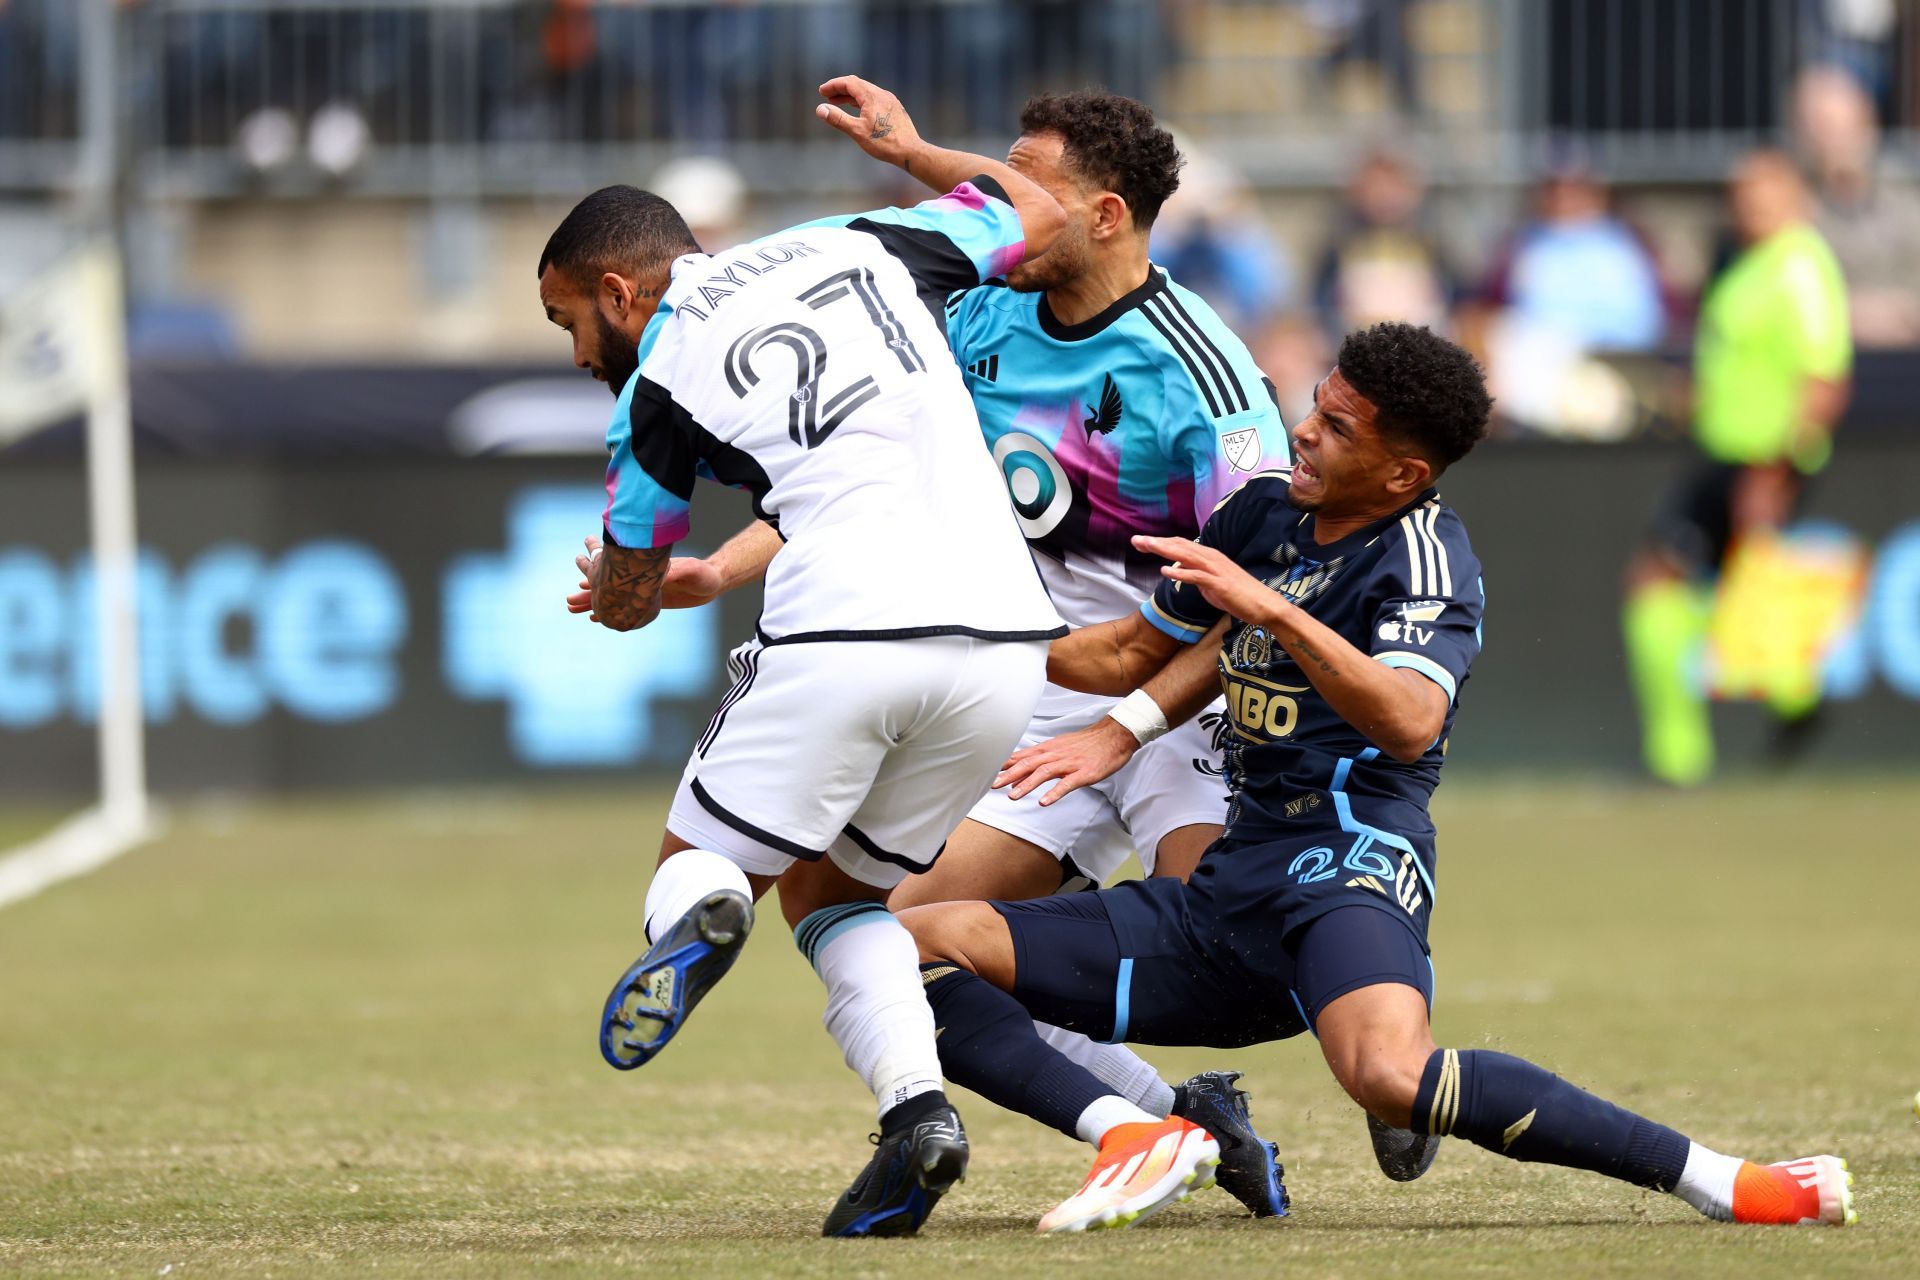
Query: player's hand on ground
x,y
1070,761
1225,584
883,129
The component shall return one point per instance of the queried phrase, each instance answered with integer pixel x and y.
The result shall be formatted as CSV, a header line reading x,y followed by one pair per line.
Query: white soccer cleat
x,y
1141,1169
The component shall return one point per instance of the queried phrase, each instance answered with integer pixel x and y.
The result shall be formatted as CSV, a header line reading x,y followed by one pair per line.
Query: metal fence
x,y
430,97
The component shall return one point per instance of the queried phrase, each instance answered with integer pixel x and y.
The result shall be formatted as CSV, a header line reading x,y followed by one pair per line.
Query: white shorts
x,y
1174,781
868,752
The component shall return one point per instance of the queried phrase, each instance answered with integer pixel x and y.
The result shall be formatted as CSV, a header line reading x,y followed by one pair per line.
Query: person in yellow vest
x,y
1772,359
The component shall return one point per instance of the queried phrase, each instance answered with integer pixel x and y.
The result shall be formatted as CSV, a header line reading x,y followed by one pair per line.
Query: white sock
x,y
877,1011
1707,1182
1116,1066
684,879
1103,1113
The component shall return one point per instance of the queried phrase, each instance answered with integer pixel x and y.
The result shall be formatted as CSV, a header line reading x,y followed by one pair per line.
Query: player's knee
x,y
970,935
1384,1083
939,929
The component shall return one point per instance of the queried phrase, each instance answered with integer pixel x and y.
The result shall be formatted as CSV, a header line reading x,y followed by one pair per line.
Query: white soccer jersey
x,y
811,368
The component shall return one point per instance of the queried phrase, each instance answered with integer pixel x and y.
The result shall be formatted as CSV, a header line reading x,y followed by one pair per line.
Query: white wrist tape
x,y
1141,716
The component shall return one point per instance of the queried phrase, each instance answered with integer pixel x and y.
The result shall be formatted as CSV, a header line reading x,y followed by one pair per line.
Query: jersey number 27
x,y
812,416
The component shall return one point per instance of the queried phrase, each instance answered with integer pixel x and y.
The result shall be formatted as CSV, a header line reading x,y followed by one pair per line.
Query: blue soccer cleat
x,y
1250,1168
653,998
906,1177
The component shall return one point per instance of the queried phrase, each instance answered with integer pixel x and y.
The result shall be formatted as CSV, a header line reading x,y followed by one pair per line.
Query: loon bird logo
x,y
1107,416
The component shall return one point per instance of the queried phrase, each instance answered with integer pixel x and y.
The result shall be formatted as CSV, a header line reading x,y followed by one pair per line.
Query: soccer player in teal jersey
x,y
1114,403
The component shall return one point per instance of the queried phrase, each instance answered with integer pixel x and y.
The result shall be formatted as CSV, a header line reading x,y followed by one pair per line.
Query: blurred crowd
x,y
581,70
1536,289
1572,277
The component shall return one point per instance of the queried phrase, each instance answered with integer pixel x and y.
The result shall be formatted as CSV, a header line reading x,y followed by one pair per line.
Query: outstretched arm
x,y
1399,710
1073,760
885,131
692,581
741,559
1184,687
1113,658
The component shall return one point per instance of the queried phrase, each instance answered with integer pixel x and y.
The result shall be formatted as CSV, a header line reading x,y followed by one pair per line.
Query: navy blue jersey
x,y
1405,589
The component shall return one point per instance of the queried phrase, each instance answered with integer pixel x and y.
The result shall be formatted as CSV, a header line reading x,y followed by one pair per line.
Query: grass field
x,y
356,1037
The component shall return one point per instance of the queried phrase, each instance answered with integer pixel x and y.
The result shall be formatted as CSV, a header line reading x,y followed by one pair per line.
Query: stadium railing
x,y
503,97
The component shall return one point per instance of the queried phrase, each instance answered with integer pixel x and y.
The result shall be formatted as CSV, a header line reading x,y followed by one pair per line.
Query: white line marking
x,y
83,843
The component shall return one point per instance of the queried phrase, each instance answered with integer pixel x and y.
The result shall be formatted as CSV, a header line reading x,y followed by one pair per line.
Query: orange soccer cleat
x,y
1141,1169
1816,1191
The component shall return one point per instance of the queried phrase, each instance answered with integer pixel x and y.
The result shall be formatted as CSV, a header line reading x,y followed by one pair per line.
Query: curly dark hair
x,y
1425,390
1112,141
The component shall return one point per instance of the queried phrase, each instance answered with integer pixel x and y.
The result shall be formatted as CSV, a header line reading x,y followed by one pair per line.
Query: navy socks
x,y
1512,1107
987,1043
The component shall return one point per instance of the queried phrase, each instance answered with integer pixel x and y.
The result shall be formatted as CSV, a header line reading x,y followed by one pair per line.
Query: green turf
x,y
17,826
356,1037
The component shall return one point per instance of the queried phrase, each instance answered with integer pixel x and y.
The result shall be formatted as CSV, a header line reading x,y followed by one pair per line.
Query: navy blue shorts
x,y
1243,953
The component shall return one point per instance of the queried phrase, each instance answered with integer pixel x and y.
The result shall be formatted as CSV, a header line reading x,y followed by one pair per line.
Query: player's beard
x,y
619,358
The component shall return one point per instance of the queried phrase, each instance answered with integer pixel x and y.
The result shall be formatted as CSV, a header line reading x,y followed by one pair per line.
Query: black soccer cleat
x,y
654,997
1250,1169
1402,1154
906,1177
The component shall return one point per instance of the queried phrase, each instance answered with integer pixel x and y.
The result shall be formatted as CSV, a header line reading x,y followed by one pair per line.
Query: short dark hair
x,y
621,229
1115,142
1425,390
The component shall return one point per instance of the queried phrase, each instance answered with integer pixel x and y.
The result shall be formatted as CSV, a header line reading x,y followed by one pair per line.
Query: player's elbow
x,y
1403,750
1412,717
1407,738
1041,222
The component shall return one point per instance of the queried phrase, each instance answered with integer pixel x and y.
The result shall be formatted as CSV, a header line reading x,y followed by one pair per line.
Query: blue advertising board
x,y
350,622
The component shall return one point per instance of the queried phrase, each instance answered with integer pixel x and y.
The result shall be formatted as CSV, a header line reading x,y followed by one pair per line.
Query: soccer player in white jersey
x,y
902,645
1116,403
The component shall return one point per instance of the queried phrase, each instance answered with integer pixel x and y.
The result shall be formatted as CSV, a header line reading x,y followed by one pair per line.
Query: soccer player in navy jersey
x,y
1353,602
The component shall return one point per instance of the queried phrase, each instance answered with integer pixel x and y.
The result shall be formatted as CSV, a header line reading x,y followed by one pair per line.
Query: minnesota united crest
x,y
1104,419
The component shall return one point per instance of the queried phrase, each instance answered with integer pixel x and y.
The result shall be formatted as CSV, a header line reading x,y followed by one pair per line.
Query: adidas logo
x,y
988,368
1367,882
1804,1172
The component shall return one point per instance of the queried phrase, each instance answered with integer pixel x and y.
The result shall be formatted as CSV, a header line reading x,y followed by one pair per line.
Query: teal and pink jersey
x,y
1139,420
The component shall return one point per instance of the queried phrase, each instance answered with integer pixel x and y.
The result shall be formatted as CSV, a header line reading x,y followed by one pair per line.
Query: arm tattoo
x,y
882,126
626,585
1304,650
